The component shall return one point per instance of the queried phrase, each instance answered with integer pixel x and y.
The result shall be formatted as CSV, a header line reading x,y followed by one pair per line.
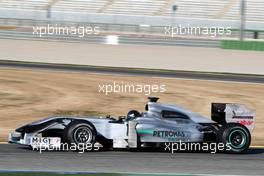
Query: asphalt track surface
x,y
15,157
136,72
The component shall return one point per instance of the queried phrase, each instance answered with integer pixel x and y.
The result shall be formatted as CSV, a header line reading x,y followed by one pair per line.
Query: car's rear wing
x,y
230,112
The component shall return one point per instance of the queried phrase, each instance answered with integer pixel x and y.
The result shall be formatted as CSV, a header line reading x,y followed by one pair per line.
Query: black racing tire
x,y
235,137
79,132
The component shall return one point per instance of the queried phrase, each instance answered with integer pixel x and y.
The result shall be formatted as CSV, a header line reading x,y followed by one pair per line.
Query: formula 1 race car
x,y
230,124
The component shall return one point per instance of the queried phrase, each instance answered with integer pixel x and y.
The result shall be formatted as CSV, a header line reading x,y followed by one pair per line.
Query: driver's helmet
x,y
133,114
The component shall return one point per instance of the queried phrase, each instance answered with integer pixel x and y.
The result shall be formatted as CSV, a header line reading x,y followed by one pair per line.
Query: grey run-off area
x,y
134,56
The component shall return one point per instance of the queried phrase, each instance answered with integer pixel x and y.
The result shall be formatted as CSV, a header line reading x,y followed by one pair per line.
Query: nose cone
x,y
22,129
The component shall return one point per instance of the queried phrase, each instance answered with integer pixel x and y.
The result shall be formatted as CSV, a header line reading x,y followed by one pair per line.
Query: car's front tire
x,y
235,136
79,133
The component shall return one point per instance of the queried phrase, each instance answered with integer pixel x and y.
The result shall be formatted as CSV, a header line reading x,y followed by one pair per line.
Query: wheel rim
x,y
82,135
237,138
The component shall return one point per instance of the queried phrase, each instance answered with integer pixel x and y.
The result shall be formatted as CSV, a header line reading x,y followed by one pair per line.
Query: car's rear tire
x,y
235,136
79,133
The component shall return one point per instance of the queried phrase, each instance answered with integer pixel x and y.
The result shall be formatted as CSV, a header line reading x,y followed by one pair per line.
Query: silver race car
x,y
161,123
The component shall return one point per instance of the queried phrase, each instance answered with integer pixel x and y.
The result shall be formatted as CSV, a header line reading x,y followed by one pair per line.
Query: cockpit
x,y
154,109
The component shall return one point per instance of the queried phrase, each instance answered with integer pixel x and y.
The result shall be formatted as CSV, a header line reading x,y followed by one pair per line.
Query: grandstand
x,y
135,7
25,5
203,9
91,6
